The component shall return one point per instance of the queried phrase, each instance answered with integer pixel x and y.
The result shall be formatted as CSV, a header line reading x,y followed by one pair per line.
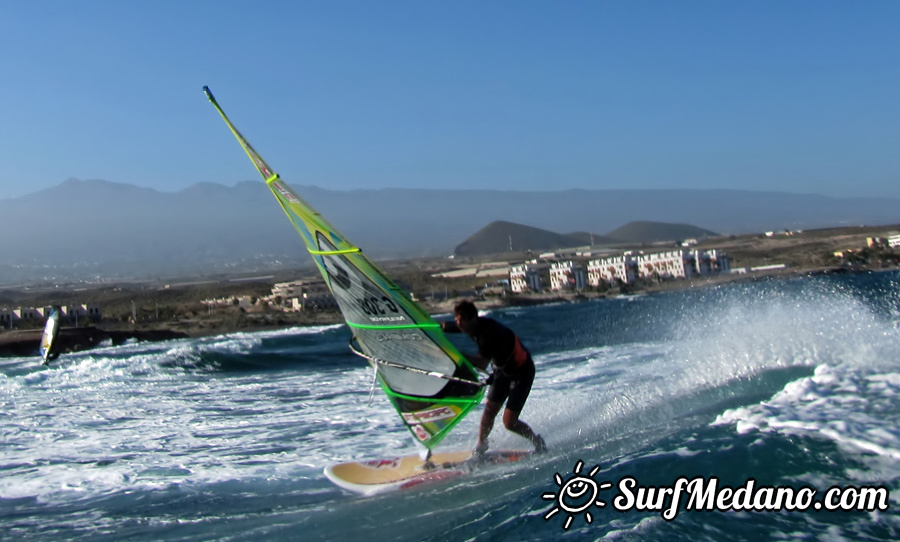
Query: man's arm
x,y
450,327
479,362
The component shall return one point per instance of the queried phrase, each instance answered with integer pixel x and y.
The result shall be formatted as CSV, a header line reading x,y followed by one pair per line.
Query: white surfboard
x,y
398,473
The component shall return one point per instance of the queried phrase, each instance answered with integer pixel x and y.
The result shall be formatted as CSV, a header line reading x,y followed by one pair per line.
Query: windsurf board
x,y
398,473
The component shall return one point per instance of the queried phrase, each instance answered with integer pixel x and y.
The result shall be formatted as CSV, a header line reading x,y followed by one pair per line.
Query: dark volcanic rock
x,y
27,342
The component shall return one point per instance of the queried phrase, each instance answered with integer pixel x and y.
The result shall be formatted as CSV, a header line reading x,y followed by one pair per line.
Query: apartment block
x,y
525,278
568,275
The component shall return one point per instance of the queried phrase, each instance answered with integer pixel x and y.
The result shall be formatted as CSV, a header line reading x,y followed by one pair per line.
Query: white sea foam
x,y
852,397
287,332
843,404
110,423
124,421
855,382
600,392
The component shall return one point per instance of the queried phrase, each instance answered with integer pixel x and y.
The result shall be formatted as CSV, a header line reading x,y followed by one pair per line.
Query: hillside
x,y
82,230
641,232
501,236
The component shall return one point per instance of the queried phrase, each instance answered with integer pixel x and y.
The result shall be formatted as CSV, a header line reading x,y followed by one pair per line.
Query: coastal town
x,y
554,272
568,274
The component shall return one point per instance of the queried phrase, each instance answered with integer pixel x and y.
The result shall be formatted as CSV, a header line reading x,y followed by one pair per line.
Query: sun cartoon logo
x,y
576,495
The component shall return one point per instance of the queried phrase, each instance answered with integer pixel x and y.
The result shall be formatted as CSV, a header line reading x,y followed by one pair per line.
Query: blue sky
x,y
797,96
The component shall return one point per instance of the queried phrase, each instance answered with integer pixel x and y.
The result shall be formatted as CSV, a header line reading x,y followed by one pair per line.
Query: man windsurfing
x,y
512,376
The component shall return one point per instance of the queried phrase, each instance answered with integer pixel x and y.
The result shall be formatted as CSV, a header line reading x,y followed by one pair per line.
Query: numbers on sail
x,y
374,306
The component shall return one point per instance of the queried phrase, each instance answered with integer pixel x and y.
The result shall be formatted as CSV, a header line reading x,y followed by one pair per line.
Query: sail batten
x,y
430,384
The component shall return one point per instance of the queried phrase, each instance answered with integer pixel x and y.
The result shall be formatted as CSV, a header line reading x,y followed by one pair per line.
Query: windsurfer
x,y
511,378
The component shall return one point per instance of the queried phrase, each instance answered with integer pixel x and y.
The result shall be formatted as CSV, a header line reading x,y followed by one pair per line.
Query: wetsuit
x,y
513,366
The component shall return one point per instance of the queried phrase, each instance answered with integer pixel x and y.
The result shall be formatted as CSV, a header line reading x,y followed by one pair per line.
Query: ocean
x,y
728,396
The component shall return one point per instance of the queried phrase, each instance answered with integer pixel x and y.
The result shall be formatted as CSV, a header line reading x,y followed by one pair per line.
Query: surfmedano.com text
x,y
706,494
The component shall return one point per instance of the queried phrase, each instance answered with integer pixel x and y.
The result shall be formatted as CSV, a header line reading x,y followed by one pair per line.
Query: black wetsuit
x,y
513,366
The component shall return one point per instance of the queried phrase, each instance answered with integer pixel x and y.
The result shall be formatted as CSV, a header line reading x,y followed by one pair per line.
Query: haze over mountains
x,y
114,229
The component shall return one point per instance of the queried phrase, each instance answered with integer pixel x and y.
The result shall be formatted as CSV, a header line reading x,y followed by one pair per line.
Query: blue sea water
x,y
786,382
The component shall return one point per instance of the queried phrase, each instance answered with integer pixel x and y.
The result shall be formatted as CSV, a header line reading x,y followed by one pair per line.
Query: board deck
x,y
396,473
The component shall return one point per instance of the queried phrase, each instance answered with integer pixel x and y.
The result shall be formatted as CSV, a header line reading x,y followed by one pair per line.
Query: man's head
x,y
466,315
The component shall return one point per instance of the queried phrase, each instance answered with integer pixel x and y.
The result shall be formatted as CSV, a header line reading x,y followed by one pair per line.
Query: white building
x,y
219,302
894,241
288,289
317,296
84,310
709,262
683,263
26,313
9,317
622,268
287,296
291,296
669,264
567,275
524,278
680,263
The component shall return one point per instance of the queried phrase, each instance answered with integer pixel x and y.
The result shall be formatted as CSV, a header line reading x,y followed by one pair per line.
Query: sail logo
x,y
425,416
387,319
288,195
421,433
262,166
399,337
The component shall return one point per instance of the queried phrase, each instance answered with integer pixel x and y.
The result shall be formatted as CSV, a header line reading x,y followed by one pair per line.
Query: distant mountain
x,y
99,228
652,232
500,236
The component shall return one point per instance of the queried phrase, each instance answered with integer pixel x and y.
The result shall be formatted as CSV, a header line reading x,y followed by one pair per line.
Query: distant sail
x,y
49,348
428,381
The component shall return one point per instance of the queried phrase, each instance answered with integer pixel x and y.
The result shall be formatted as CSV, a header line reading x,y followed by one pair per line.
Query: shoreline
x,y
24,343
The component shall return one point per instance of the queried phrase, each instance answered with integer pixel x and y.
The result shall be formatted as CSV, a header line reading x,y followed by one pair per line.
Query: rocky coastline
x,y
23,343
75,339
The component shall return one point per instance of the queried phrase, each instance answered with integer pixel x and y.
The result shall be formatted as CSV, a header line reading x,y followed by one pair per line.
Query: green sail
x,y
428,381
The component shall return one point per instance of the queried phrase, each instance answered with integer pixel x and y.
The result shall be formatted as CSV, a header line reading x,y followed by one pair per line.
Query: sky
x,y
794,96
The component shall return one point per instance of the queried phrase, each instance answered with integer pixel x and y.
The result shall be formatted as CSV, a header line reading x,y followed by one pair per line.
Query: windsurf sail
x,y
430,384
49,350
